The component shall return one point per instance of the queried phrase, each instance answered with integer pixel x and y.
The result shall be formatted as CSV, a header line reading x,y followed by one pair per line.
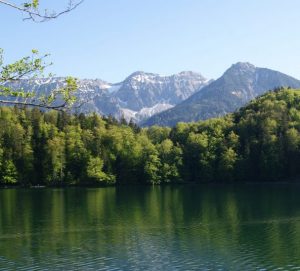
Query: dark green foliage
x,y
260,142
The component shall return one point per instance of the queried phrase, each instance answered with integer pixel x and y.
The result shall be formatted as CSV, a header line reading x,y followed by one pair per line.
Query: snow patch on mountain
x,y
145,112
150,111
113,88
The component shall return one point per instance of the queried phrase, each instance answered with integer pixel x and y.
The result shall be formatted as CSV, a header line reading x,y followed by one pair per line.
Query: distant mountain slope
x,y
138,97
239,84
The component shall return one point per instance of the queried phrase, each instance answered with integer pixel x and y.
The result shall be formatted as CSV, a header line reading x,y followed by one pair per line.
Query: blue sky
x,y
110,39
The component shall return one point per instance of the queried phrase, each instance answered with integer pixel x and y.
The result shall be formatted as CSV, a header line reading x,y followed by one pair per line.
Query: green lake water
x,y
205,227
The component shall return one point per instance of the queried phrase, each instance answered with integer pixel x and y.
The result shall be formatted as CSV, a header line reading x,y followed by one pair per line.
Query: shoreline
x,y
65,186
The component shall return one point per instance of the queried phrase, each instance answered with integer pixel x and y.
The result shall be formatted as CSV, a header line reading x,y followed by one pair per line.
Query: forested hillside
x,y
258,143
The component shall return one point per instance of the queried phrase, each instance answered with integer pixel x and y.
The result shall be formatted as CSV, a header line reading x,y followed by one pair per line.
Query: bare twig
x,y
35,15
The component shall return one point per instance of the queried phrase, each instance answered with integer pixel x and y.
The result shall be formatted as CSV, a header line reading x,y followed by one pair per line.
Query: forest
x,y
258,143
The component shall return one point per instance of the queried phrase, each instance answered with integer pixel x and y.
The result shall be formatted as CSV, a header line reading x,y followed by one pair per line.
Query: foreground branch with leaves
x,y
31,68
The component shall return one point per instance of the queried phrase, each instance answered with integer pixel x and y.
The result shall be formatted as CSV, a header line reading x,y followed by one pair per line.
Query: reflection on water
x,y
214,227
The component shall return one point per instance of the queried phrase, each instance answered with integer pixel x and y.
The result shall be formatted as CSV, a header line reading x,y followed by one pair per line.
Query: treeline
x,y
260,142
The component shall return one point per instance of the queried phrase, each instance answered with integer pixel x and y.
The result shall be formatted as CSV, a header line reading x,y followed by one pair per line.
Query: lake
x,y
205,227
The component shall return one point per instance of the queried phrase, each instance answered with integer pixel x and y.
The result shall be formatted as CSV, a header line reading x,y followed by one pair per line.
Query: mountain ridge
x,y
239,84
137,97
154,99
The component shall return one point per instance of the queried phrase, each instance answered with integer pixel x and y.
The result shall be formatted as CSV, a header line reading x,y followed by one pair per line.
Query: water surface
x,y
209,227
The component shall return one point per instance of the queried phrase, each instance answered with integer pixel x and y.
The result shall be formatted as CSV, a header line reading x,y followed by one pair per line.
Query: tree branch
x,y
60,107
61,98
35,15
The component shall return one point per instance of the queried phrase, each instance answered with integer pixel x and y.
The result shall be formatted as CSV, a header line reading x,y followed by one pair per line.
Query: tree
x,y
56,155
171,161
34,12
9,173
95,171
76,153
152,168
227,164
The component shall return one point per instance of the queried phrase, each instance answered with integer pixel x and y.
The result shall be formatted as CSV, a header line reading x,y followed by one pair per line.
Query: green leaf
x,y
35,3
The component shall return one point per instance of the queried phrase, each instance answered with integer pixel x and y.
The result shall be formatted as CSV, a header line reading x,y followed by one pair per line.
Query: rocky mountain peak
x,y
140,76
241,68
237,86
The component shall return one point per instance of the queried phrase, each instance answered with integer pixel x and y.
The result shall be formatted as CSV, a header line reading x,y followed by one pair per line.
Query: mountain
x,y
138,97
239,84
143,94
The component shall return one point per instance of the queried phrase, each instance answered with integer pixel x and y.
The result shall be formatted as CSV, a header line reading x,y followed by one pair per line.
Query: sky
x,y
110,39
